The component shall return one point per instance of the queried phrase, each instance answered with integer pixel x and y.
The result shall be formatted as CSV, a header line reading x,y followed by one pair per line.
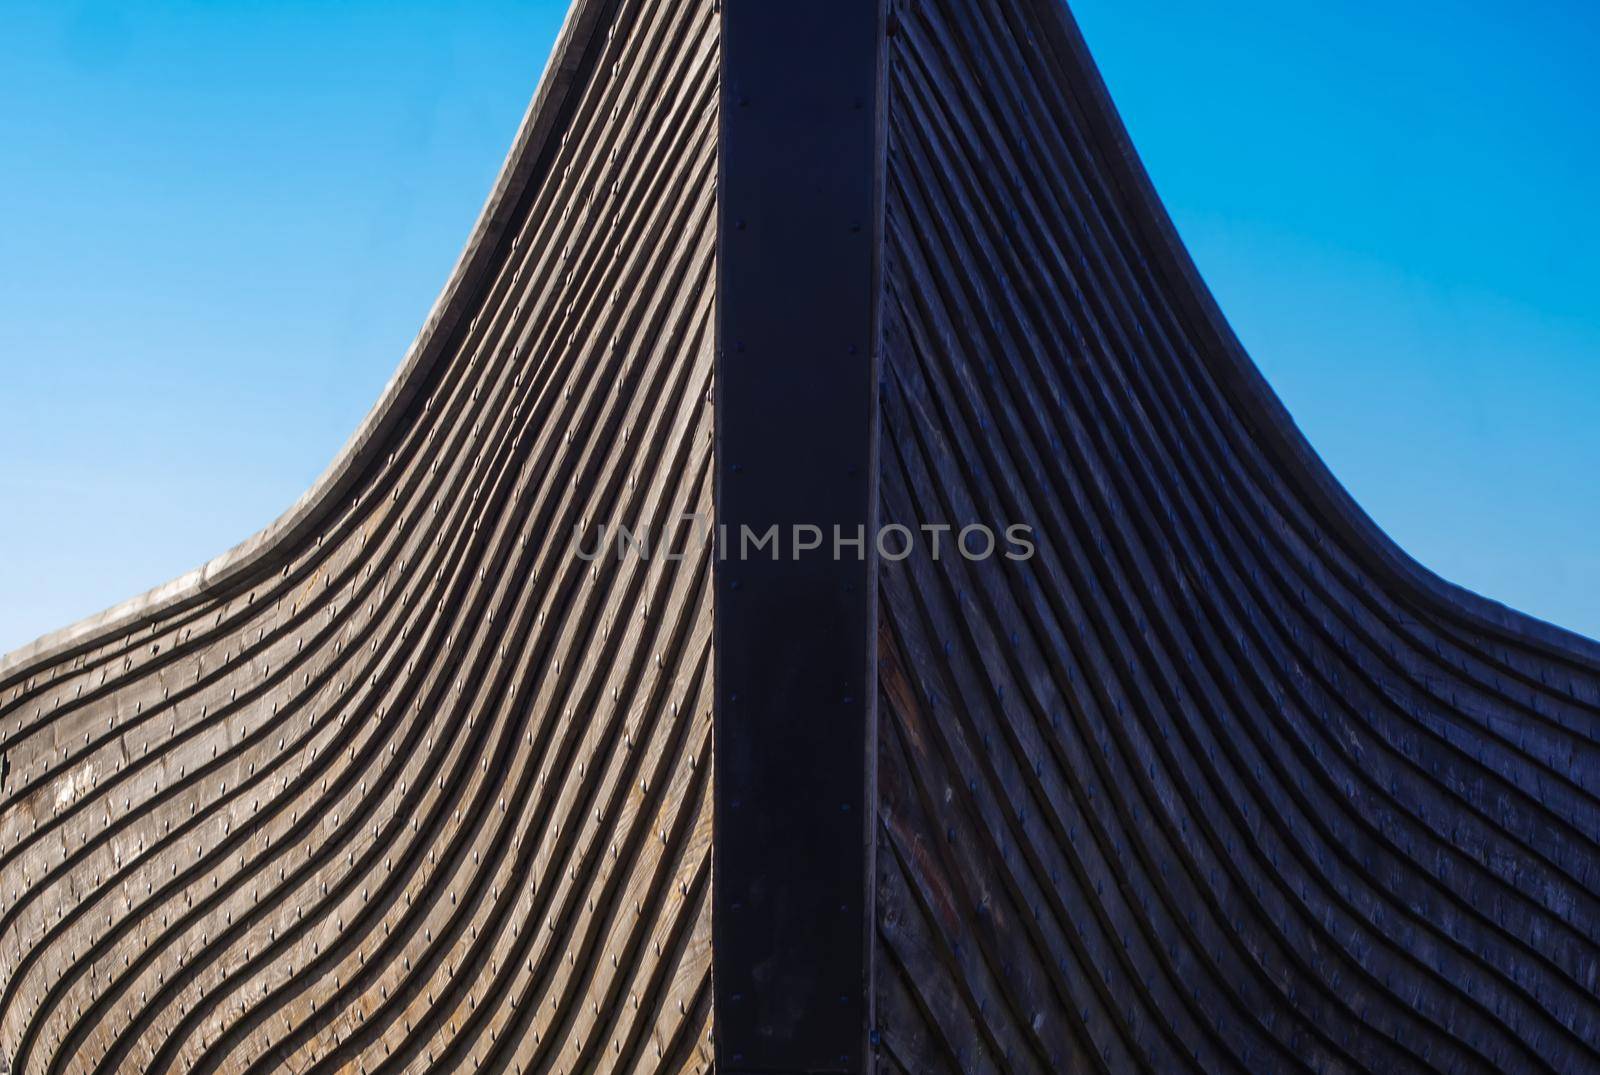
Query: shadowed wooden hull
x,y
1220,780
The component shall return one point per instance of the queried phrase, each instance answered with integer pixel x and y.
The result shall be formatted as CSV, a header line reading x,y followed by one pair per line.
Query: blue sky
x,y
224,222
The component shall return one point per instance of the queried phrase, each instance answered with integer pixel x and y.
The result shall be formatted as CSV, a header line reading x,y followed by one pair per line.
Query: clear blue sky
x,y
224,221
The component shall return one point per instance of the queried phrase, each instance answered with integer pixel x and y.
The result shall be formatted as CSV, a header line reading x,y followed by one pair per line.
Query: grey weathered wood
x,y
383,774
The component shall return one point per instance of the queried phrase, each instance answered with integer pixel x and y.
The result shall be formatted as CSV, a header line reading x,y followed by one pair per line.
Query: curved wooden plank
x,y
1220,780
404,784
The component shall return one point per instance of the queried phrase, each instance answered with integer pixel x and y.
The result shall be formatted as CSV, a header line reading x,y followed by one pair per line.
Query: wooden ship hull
x,y
1217,779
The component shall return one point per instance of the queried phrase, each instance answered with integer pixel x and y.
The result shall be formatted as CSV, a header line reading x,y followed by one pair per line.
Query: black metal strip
x,y
799,213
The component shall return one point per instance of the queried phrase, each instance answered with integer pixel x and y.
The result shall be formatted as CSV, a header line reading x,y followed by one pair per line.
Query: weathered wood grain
x,y
1220,780
406,785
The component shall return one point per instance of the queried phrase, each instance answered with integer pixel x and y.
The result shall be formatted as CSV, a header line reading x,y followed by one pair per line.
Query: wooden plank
x,y
361,812
798,247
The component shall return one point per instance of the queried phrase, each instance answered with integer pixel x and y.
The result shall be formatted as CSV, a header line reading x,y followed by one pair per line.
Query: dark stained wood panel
x,y
404,784
799,195
1220,780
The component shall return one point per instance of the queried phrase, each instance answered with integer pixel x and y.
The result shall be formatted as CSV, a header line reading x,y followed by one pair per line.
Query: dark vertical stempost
x,y
800,192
